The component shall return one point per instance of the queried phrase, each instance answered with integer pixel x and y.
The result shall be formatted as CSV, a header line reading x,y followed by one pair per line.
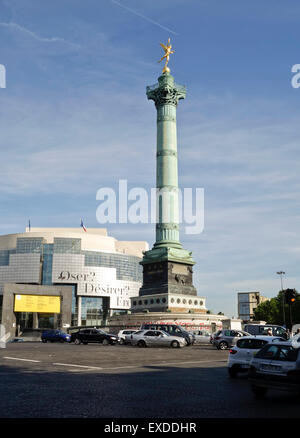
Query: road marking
x,y
164,364
118,368
90,367
77,366
18,358
193,361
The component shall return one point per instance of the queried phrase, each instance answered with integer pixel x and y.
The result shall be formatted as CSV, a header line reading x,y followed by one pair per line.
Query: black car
x,y
85,336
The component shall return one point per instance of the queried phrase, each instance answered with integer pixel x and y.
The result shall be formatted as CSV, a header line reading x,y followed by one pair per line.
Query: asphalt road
x,y
95,381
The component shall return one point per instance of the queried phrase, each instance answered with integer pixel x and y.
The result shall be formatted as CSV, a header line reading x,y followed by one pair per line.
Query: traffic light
x,y
290,296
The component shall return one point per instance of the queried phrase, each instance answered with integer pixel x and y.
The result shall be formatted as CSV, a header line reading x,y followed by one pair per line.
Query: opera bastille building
x,y
61,277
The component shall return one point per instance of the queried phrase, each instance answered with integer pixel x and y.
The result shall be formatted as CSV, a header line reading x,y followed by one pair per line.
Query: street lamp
x,y
281,273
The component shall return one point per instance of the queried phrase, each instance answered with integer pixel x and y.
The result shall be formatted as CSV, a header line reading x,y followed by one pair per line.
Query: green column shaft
x,y
167,229
166,95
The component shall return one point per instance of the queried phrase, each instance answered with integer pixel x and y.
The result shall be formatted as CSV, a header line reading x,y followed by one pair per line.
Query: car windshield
x,y
101,332
165,333
278,352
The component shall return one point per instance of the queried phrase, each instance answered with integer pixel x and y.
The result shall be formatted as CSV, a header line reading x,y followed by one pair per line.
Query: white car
x,y
276,366
245,349
124,336
156,338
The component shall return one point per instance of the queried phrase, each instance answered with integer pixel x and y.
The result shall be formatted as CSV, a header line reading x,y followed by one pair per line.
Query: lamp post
x,y
283,311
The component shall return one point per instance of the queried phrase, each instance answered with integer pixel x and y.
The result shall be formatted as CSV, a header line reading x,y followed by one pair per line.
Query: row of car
x,y
149,335
141,338
271,363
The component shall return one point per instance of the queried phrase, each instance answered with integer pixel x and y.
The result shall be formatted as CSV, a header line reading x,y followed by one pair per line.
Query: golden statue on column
x,y
168,52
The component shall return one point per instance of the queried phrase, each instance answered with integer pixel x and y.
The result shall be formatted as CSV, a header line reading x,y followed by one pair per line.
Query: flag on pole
x,y
81,224
29,225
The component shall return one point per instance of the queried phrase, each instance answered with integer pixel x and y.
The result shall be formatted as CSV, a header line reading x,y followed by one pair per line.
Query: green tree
x,y
272,311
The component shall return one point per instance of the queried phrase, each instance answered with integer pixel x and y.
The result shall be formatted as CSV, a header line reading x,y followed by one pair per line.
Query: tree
x,y
272,311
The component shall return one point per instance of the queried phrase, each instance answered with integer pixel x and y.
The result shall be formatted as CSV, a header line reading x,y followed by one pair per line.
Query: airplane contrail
x,y
144,17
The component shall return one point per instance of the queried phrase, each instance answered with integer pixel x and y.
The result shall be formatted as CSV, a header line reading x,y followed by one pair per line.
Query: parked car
x,y
55,336
156,338
275,366
172,329
16,340
124,336
242,353
224,339
201,336
262,329
86,336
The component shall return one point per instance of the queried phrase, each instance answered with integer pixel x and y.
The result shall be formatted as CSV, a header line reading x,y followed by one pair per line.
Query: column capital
x,y
166,91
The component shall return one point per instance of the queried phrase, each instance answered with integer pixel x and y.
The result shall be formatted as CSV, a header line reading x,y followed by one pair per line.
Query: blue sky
x,y
74,117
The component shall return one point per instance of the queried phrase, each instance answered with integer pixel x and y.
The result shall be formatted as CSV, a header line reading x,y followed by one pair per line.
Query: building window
x,y
178,301
195,302
145,301
134,303
63,245
140,303
201,303
27,245
184,301
127,267
93,310
172,300
190,302
157,300
164,300
151,301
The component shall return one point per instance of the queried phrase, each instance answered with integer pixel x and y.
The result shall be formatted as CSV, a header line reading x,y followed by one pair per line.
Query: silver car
x,y
201,336
156,338
124,336
224,339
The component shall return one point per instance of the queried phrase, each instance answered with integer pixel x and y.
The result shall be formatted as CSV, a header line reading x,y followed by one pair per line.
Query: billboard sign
x,y
37,303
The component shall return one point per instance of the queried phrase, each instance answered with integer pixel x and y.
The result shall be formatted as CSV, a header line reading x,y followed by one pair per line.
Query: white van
x,y
260,329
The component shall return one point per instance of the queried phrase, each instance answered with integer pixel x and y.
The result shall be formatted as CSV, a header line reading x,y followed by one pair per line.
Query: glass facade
x,y
47,264
33,256
94,310
4,257
64,245
27,245
74,320
127,267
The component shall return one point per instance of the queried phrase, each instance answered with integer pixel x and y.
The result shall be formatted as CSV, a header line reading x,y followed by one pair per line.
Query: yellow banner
x,y
37,303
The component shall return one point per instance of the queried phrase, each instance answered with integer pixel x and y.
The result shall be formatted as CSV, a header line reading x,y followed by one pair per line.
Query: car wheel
x,y
258,391
105,342
232,372
122,342
77,341
141,344
44,341
61,341
223,345
175,344
85,343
